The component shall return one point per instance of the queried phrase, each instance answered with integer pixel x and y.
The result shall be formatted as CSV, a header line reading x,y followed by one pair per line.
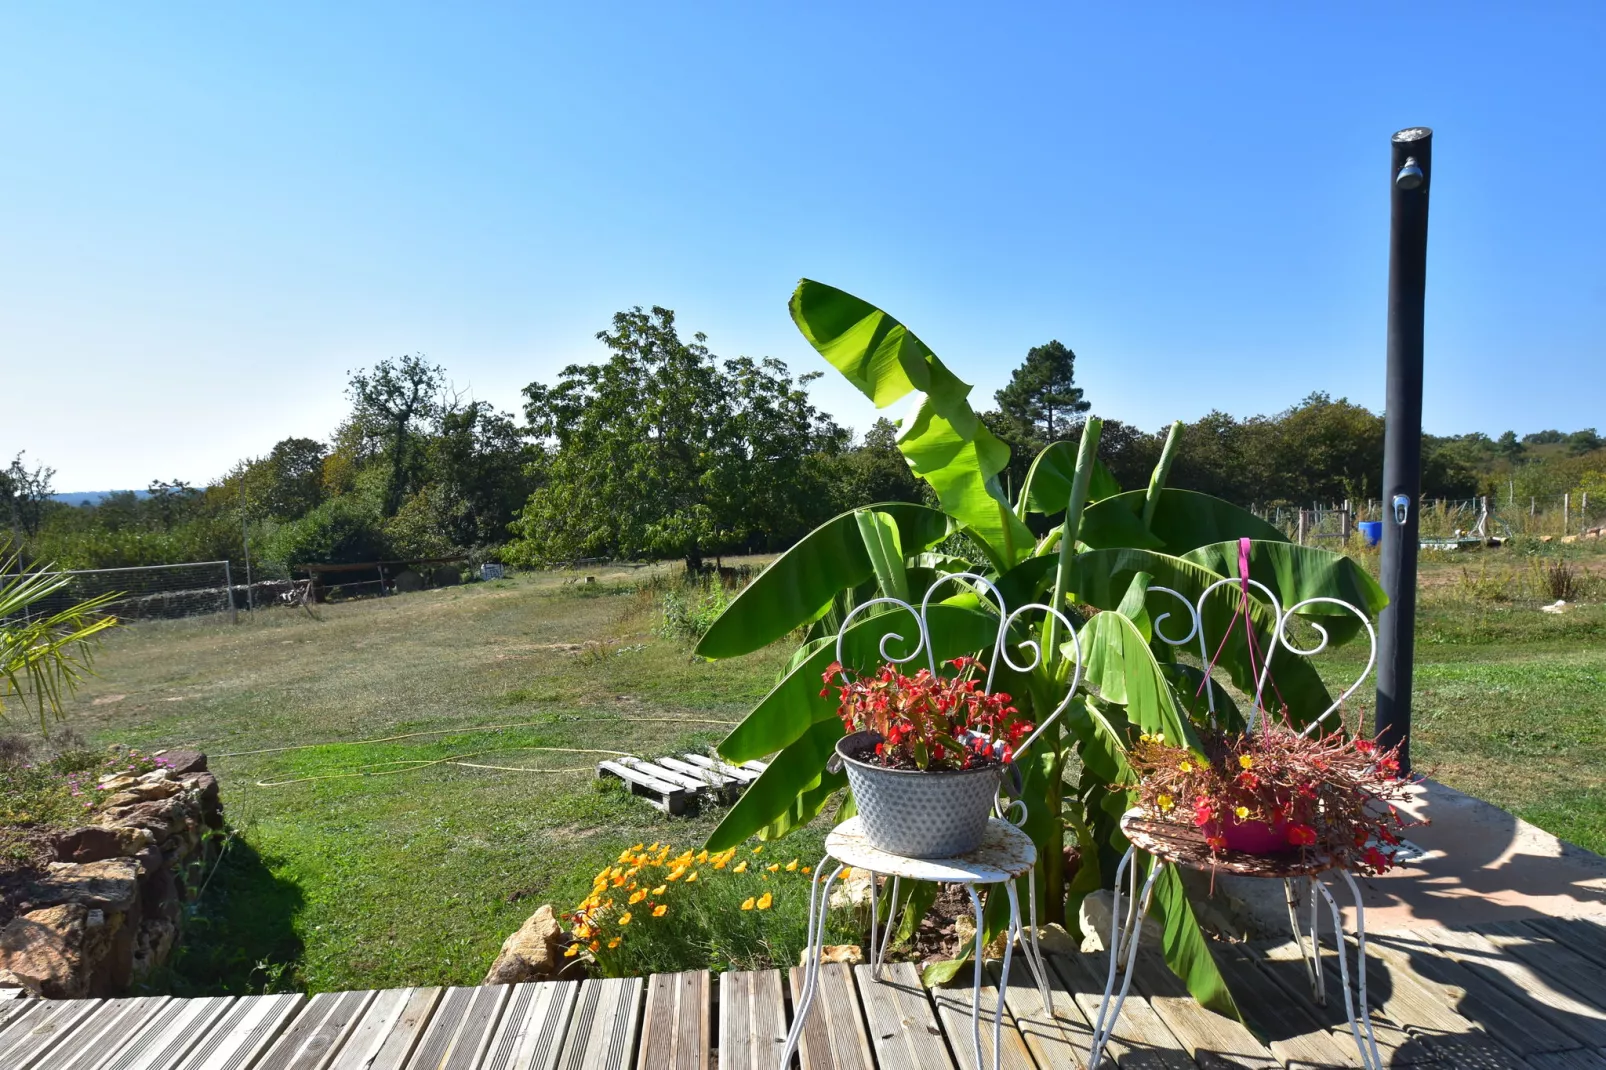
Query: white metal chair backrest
x,y
1000,649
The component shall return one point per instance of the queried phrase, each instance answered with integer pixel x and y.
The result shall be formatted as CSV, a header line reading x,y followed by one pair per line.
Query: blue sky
x,y
213,211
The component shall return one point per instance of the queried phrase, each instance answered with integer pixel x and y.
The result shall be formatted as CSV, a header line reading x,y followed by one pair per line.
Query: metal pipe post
x,y
1410,180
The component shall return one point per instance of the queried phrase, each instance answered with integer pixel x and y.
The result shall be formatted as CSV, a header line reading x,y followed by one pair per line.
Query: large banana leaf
x,y
1122,669
1183,520
798,587
944,441
772,797
1048,483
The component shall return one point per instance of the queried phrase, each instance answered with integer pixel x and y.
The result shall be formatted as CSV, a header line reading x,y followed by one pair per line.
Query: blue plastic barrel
x,y
1371,531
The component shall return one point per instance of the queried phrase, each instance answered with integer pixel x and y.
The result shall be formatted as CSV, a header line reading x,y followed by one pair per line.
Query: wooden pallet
x,y
673,784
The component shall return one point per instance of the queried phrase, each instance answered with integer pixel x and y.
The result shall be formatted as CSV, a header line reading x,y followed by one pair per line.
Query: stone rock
x,y
144,791
95,843
205,786
121,782
183,760
1096,917
111,884
160,816
63,952
845,954
531,953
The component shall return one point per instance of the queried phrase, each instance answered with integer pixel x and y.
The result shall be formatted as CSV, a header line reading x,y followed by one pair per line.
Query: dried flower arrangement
x,y
1276,790
925,721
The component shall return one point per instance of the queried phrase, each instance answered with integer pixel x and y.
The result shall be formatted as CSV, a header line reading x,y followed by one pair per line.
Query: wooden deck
x,y
1525,995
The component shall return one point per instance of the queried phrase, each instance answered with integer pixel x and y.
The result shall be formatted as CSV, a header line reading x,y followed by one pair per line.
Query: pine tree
x,y
1042,397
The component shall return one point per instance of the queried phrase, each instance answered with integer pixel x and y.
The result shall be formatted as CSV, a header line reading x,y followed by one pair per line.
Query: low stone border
x,y
108,911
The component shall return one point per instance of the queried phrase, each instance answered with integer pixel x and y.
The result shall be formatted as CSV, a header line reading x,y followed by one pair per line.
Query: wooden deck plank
x,y
388,1030
607,1017
104,1032
13,1005
752,1020
1474,993
1057,1035
530,1035
902,1022
1583,935
675,1025
47,1024
953,1013
1140,1041
1213,1040
833,1034
1581,1059
316,1034
1549,999
238,1038
170,1034
1557,961
1298,1038
460,1029
1282,963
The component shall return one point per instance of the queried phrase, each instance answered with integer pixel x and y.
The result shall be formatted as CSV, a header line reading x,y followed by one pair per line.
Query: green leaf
x,y
770,798
807,806
1123,670
1185,949
916,901
794,704
944,441
1047,489
797,588
1183,520
880,535
1133,606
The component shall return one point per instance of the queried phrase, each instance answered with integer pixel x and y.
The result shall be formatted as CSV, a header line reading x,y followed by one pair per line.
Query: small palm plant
x,y
44,654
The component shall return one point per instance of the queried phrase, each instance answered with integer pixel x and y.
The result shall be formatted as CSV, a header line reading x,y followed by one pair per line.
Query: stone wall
x,y
108,911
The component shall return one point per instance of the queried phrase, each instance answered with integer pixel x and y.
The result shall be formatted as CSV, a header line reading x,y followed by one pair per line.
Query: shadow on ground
x,y
240,937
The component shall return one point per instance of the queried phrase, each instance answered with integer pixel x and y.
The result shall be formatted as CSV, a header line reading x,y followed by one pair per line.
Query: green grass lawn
x,y
413,874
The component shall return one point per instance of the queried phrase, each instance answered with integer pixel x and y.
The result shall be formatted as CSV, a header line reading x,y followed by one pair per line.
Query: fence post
x,y
228,584
1566,511
1300,538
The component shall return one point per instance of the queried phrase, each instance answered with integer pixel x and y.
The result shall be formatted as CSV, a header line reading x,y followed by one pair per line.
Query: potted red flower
x,y
1275,790
924,754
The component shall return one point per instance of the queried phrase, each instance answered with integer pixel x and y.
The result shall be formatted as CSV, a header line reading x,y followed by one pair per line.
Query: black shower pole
x,y
1410,179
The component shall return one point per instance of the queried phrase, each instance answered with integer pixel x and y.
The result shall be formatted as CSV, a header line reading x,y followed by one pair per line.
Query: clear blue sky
x,y
211,212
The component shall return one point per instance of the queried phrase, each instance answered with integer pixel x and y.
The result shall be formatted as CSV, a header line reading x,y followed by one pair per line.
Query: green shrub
x,y
340,531
686,610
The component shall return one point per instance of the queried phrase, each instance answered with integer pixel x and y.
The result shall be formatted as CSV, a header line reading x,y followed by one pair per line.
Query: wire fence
x,y
1486,517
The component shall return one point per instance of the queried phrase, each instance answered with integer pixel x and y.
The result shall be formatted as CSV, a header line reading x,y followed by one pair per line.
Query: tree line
x,y
663,449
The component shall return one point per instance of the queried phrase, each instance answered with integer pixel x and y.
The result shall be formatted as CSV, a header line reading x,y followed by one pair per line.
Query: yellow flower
x,y
1165,802
1145,738
1186,766
1246,761
674,874
1159,737
1242,812
741,867
691,876
747,904
638,847
702,856
807,870
572,951
594,946
660,910
720,864
758,849
773,866
636,897
624,919
791,867
613,943
660,890
764,901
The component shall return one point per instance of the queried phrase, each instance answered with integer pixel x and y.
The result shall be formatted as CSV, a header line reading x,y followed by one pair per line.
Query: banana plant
x,y
1112,561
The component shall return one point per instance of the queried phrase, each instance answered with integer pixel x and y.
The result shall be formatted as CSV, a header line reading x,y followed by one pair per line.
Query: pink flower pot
x,y
1251,837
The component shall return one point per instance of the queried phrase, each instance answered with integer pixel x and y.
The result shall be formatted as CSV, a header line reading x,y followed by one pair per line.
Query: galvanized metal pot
x,y
919,814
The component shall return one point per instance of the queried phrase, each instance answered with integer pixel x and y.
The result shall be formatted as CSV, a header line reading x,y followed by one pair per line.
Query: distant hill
x,y
92,497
